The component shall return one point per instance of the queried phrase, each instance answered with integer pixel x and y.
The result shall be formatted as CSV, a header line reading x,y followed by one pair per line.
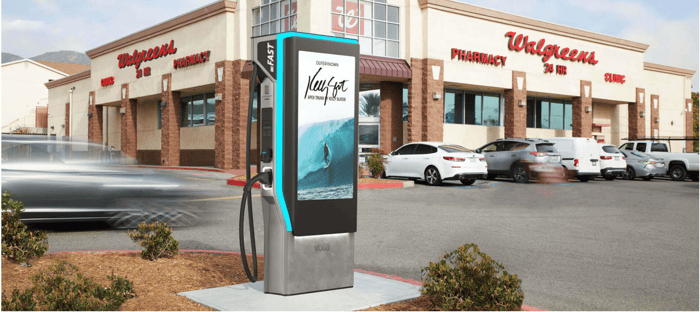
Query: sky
x,y
33,27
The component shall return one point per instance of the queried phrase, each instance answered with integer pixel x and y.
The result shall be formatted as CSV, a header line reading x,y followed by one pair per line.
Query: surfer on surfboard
x,y
326,153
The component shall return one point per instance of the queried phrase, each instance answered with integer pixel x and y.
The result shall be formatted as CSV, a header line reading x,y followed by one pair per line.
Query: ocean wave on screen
x,y
313,171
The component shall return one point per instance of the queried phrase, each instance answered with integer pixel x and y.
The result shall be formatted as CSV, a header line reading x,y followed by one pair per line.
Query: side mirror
x,y
478,150
392,153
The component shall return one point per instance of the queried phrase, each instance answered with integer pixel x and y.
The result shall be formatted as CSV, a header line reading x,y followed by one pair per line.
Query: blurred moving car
x,y
62,181
612,162
580,156
521,159
641,165
435,162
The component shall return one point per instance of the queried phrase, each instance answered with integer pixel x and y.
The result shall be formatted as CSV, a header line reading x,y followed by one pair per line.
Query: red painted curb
x,y
237,182
393,277
380,185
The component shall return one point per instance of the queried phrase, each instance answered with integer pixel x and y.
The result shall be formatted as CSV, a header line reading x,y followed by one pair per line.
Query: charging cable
x,y
263,178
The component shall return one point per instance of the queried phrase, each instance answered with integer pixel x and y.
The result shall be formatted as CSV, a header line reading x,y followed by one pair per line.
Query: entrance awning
x,y
375,67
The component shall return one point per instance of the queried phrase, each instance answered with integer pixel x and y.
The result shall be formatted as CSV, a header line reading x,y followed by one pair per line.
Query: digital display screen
x,y
326,126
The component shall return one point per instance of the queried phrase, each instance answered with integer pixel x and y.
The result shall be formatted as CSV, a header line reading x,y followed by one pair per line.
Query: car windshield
x,y
546,148
17,149
453,148
611,149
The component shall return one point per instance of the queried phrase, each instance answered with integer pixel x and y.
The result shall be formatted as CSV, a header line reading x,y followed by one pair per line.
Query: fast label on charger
x,y
326,126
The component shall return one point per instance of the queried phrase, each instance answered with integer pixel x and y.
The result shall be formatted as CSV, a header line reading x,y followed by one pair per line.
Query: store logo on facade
x,y
193,59
477,57
144,56
614,78
518,43
107,81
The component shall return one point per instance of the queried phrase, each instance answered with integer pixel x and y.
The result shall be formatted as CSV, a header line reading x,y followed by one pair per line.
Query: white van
x,y
581,156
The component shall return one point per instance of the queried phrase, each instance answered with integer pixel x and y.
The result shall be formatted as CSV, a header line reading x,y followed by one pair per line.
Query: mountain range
x,y
60,57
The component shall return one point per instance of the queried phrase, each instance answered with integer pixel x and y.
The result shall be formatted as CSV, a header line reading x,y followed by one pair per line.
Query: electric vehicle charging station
x,y
309,90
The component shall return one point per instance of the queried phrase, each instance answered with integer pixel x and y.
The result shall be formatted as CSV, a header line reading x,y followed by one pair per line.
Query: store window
x,y
197,110
373,23
405,104
472,108
274,16
549,113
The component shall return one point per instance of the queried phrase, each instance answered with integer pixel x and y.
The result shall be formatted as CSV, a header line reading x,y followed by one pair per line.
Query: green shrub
x,y
61,288
156,240
467,279
19,301
18,242
375,162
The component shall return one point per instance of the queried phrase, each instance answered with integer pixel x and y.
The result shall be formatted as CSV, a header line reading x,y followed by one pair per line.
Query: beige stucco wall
x,y
147,132
470,136
672,93
201,137
58,97
605,114
204,35
23,89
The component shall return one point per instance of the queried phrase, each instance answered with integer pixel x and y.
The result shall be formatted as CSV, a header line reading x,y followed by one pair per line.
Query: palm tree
x,y
369,104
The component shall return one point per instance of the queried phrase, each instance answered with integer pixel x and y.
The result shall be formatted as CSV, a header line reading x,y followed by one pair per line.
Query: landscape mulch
x,y
157,283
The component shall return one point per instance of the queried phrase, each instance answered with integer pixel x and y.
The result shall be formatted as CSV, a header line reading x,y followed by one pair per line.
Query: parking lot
x,y
599,245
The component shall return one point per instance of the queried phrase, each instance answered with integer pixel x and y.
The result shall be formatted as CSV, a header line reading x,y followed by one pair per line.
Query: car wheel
x,y
647,178
432,176
468,181
609,177
678,173
629,174
583,178
519,173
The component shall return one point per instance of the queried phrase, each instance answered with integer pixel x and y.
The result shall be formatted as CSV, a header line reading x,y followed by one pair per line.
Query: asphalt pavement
x,y
599,245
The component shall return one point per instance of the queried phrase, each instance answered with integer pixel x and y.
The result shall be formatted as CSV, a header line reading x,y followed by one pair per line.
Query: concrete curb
x,y
393,277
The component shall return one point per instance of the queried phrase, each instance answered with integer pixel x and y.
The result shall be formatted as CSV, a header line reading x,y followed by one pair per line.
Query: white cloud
x,y
49,6
23,25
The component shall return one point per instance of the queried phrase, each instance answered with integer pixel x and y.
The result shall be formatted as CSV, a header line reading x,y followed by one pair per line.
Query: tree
x,y
369,104
694,95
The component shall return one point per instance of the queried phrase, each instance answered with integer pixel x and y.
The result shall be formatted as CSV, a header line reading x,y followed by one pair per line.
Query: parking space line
x,y
497,183
221,198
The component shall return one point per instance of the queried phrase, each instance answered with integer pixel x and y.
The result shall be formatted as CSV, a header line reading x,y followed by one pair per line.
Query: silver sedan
x,y
642,165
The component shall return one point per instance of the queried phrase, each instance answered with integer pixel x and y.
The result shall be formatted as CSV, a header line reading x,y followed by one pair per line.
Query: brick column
x,y
689,124
582,121
95,123
654,114
414,127
128,123
433,110
391,117
67,124
634,119
231,115
515,119
170,124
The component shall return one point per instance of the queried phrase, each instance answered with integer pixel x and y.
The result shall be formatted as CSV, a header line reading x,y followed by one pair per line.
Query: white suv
x,y
612,162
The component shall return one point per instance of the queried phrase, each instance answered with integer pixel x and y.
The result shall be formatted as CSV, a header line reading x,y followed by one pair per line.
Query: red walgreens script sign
x,y
352,24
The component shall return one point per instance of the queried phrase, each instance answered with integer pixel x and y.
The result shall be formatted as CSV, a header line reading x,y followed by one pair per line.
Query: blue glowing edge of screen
x,y
279,114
